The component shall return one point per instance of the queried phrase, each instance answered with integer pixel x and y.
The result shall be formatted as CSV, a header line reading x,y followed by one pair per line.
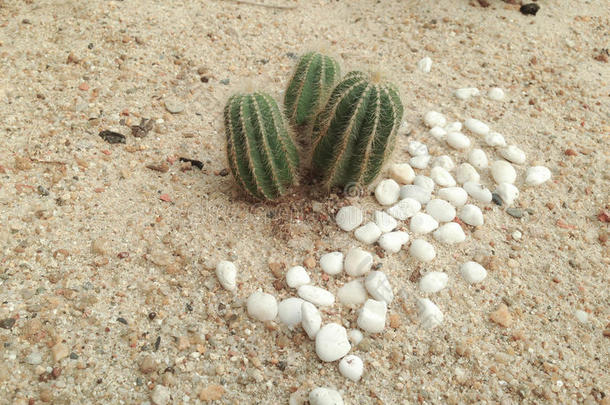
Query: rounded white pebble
x,y
416,148
387,192
385,222
471,214
433,281
434,119
422,223
289,311
457,196
349,218
311,320
440,210
496,94
420,162
536,175
466,92
316,295
351,367
495,139
581,315
415,192
478,192
458,140
424,182
371,317
425,64
450,233
402,173
478,159
332,263
405,208
476,127
226,273
392,241
355,336
325,396
513,154
422,250
331,342
357,262
430,315
368,233
444,161
455,126
465,172
262,306
297,276
507,192
378,285
352,293
442,177
473,272
438,133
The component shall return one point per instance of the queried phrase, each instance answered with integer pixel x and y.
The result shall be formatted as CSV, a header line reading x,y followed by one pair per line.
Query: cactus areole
x,y
260,149
355,132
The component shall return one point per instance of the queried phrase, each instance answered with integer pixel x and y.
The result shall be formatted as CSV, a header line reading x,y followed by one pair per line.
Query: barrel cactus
x,y
355,132
310,85
261,152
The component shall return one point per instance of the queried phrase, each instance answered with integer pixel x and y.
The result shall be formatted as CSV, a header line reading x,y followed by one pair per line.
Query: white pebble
x,y
442,177
458,140
332,263
420,162
325,396
289,311
422,223
392,241
495,139
455,126
581,315
425,64
507,192
385,222
161,395
465,172
496,94
473,272
471,214
378,285
440,210
434,119
438,133
444,161
368,233
416,148
513,154
351,367
226,273
537,175
433,281
402,173
478,159
422,250
352,293
349,218
297,276
414,192
478,192
476,127
406,208
450,233
424,182
466,92
316,295
516,235
355,336
387,192
311,320
331,342
357,262
371,317
457,196
430,315
262,306
403,129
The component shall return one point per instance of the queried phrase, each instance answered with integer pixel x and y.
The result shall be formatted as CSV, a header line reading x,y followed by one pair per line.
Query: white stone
x,y
289,311
311,320
387,192
262,306
297,276
160,395
371,317
536,175
478,192
331,342
402,173
422,223
352,293
357,262
332,263
507,192
34,358
495,93
513,154
424,182
368,233
316,295
516,235
416,148
406,208
440,210
430,315
450,233
466,92
433,281
457,196
438,133
444,161
473,272
434,119
351,367
378,285
349,218
495,139
465,172
226,273
392,241
403,129
478,159
458,140
325,396
422,250
420,162
471,214
384,221
455,126
355,336
581,315
425,64
414,192
476,127
442,177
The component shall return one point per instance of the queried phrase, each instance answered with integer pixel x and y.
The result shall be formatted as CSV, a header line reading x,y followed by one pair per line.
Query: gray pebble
x,y
34,358
174,106
514,212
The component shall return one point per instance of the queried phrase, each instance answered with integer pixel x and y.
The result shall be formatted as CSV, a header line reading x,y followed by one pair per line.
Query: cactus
x,y
310,85
354,134
261,152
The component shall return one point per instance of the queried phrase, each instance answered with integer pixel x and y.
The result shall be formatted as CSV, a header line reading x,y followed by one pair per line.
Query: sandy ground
x,y
106,266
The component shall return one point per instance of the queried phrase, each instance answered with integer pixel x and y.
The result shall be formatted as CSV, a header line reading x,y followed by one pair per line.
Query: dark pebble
x,y
139,382
157,343
122,320
282,365
530,8
142,129
225,81
204,79
7,323
514,212
152,315
291,55
197,163
112,137
43,191
189,307
496,199
99,381
123,255
224,172
74,356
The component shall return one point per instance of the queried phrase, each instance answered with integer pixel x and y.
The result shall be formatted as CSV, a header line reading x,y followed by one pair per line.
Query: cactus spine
x,y
310,85
261,152
354,133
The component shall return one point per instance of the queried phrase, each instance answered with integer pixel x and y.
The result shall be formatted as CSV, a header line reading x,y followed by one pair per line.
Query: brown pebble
x,y
60,351
163,167
211,393
148,365
277,269
502,316
46,395
310,262
183,343
395,321
570,152
100,246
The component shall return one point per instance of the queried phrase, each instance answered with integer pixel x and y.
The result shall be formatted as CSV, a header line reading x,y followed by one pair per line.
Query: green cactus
x,y
354,133
261,152
310,85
